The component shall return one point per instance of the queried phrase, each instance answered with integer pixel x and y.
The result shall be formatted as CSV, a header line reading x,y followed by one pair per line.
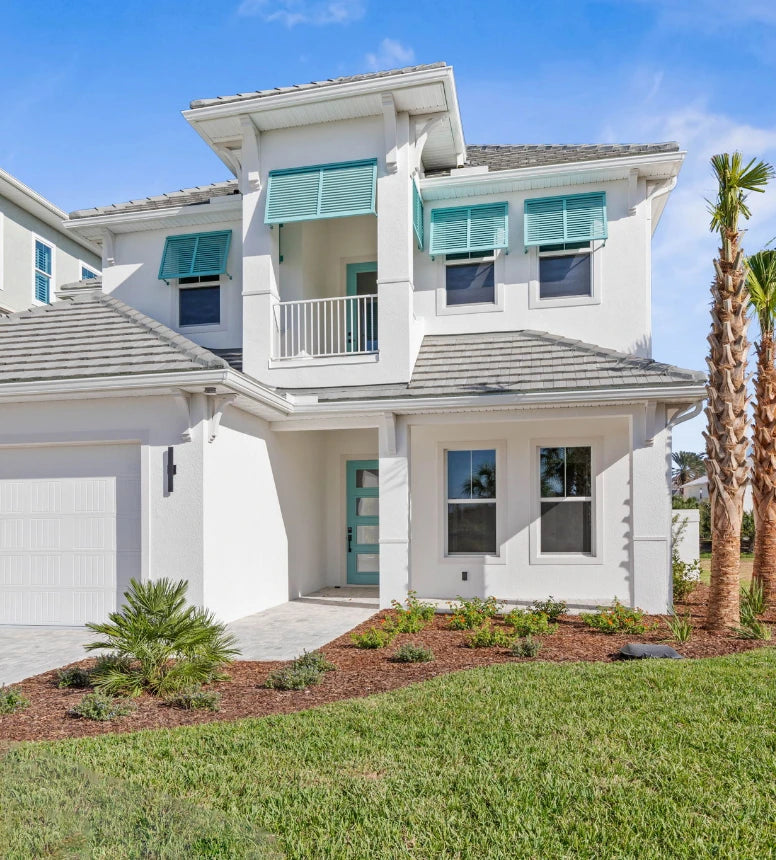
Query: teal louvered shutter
x,y
321,191
464,229
558,220
417,215
195,255
87,274
42,283
43,259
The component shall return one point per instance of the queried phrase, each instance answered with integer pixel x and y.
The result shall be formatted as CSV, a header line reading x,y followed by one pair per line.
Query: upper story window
x,y
87,273
470,278
44,267
565,271
199,301
322,191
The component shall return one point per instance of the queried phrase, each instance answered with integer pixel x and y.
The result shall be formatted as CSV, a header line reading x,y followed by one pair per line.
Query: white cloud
x,y
315,12
391,54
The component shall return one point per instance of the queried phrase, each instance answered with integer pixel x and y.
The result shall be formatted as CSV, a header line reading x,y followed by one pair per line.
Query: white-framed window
x,y
566,500
470,279
566,271
471,526
88,273
43,266
199,302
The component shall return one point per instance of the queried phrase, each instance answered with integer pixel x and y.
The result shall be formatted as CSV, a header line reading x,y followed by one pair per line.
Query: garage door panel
x,y
69,536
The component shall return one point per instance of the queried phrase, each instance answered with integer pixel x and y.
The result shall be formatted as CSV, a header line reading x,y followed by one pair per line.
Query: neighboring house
x,y
699,489
376,357
37,256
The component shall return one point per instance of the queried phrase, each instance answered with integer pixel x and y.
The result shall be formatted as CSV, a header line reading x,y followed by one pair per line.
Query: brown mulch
x,y
359,673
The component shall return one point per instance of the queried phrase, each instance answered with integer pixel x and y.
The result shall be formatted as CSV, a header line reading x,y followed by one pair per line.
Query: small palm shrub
x,y
75,676
12,700
680,627
409,653
474,612
753,628
305,671
159,643
486,636
617,619
196,699
528,623
525,646
374,637
101,706
553,609
752,601
414,615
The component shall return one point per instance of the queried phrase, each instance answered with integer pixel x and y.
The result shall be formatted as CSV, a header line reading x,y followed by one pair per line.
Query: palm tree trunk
x,y
726,437
764,468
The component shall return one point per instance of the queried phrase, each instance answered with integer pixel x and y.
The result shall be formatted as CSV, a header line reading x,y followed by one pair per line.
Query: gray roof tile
x,y
184,197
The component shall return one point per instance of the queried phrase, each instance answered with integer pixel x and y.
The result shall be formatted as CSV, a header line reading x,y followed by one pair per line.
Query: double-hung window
x,y
471,502
199,301
565,271
566,500
43,263
470,278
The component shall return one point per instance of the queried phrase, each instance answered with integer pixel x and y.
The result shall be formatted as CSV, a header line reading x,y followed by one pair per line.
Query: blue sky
x,y
92,94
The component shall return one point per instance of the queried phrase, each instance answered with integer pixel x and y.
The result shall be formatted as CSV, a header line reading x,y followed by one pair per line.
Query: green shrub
x,y
527,623
525,646
486,636
75,676
474,612
752,601
159,643
196,699
686,575
617,619
680,627
409,653
753,628
101,706
681,503
374,637
12,700
306,671
553,609
414,615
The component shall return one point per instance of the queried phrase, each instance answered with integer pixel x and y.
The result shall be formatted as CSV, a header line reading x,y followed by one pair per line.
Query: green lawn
x,y
651,759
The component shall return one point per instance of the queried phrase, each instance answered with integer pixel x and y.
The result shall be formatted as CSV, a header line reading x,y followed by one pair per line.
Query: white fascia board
x,y
441,187
219,209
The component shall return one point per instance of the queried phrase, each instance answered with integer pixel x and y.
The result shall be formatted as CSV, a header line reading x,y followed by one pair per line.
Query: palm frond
x,y
761,286
735,180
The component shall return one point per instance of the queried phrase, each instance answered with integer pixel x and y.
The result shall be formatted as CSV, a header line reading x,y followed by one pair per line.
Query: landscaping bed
x,y
358,673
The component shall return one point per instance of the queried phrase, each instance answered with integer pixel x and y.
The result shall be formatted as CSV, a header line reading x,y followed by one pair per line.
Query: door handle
x,y
350,538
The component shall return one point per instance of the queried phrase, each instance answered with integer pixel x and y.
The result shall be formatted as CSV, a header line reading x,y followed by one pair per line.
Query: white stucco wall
x,y
689,543
18,231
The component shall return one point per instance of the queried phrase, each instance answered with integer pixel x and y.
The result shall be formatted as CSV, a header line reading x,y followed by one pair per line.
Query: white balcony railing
x,y
316,328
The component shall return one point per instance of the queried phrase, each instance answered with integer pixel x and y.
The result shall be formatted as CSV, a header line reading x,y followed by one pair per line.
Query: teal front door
x,y
363,522
362,314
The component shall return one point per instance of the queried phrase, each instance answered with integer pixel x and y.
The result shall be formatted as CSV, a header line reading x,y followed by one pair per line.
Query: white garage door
x,y
69,531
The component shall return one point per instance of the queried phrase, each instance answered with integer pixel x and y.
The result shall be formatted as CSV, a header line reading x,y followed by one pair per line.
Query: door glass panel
x,y
367,478
366,284
368,506
367,534
367,562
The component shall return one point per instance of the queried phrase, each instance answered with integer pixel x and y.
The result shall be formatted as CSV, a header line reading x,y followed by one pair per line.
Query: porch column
x,y
651,510
394,509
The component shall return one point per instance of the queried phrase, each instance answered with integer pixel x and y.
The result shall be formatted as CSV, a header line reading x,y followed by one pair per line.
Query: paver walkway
x,y
281,633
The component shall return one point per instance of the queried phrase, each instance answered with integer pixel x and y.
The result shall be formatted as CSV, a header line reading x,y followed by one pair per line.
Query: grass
x,y
645,759
746,568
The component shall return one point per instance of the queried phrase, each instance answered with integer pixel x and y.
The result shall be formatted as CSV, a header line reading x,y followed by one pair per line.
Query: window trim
x,y
52,277
214,281
443,309
457,559
535,301
596,555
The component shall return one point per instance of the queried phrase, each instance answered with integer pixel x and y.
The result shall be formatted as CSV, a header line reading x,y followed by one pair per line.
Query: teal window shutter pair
x,y
195,254
465,229
558,220
417,215
43,254
322,191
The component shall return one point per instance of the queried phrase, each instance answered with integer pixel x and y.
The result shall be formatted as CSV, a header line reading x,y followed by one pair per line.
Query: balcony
x,y
325,328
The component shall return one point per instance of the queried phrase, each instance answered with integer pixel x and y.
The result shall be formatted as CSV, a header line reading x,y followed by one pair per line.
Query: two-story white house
x,y
37,256
376,357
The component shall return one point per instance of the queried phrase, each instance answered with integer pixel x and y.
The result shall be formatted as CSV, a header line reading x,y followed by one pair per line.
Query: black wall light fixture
x,y
172,470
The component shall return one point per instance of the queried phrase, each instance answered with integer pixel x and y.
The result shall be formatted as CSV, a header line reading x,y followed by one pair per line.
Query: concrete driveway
x,y
281,633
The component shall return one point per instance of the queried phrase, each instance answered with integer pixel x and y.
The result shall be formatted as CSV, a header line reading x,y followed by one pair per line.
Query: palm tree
x,y
761,286
687,467
726,437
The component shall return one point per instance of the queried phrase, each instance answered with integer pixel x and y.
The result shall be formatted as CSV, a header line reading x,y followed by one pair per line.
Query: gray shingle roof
x,y
348,79
89,334
529,362
184,197
516,156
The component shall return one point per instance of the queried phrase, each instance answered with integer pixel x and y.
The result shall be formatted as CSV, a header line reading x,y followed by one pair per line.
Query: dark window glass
x,y
566,527
471,474
564,276
552,471
470,284
471,528
578,472
199,306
